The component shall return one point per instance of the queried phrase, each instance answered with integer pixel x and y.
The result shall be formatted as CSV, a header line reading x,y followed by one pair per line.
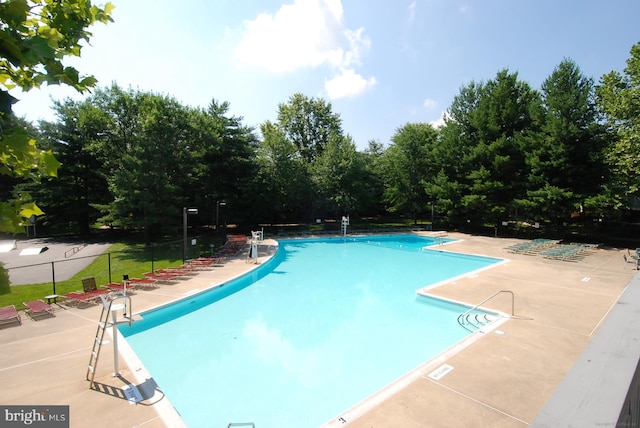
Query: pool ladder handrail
x,y
462,317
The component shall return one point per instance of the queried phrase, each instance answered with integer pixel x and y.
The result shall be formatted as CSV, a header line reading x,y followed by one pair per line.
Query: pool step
x,y
475,321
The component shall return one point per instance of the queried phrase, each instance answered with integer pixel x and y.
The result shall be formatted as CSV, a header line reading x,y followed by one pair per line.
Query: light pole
x,y
185,212
218,205
432,205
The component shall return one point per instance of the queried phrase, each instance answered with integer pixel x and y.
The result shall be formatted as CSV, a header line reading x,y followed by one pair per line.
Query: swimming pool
x,y
320,327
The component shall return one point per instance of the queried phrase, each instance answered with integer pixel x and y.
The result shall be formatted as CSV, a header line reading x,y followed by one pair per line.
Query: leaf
x,y
14,12
88,82
10,221
6,101
29,209
48,164
39,48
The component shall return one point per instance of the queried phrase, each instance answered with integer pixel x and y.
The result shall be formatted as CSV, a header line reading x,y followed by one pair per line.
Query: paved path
x,y
70,257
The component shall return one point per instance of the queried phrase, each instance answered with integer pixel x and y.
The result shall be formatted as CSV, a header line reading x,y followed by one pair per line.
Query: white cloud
x,y
348,84
307,33
440,122
412,11
430,104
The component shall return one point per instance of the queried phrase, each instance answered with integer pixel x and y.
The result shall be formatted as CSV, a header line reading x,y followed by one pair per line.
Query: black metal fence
x,y
110,266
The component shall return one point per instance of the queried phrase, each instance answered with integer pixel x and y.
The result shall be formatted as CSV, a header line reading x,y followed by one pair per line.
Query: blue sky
x,y
381,64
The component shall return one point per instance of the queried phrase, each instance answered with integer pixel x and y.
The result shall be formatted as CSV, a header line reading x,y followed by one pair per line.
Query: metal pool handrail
x,y
462,316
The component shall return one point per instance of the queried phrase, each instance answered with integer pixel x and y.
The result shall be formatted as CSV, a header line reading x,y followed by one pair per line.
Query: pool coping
x,y
425,369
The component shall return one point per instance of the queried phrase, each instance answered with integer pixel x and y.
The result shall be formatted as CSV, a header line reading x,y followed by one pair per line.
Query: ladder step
x,y
107,309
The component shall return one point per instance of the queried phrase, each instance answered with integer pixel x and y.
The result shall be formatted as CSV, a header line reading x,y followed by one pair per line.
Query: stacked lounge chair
x,y
567,251
551,249
234,245
204,263
532,247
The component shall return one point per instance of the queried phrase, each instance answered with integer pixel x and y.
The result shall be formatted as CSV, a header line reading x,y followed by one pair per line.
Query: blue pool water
x,y
311,333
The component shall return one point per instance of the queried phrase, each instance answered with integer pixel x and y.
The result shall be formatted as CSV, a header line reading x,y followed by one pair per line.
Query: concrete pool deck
x,y
501,380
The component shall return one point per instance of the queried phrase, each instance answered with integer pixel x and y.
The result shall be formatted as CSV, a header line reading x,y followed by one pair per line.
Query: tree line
x,y
507,152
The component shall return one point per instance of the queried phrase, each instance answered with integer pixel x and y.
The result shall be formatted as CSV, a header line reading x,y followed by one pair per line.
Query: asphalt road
x,y
61,260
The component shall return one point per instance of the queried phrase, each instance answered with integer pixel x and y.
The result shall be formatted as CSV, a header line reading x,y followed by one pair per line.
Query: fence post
x,y
109,265
53,276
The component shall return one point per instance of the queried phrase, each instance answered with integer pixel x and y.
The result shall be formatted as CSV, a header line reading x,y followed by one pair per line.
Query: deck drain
x,y
344,418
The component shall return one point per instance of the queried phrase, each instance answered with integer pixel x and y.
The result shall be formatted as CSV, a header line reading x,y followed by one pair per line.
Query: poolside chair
x,y
182,272
166,278
38,308
90,287
204,263
114,286
89,295
142,283
636,261
78,298
9,315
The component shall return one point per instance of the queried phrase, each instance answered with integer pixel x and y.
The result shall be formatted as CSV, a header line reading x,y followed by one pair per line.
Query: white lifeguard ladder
x,y
345,223
256,237
109,308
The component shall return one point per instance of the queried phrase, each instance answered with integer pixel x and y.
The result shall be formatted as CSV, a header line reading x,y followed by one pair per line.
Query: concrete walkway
x,y
500,379
70,257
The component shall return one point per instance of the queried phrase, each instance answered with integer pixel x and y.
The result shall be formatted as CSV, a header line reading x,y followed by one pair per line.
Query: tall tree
x,y
146,157
281,182
371,180
495,124
406,167
337,173
566,156
457,138
227,149
444,182
618,97
81,185
309,123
